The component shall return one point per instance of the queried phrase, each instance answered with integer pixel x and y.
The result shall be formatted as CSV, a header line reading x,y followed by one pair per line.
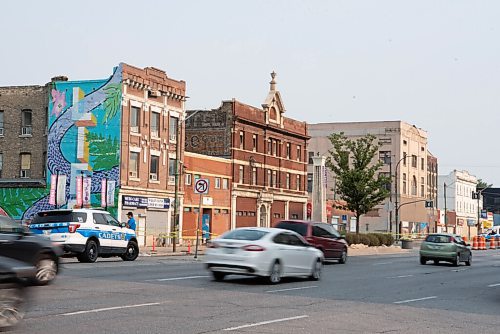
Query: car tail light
x,y
212,245
253,248
72,227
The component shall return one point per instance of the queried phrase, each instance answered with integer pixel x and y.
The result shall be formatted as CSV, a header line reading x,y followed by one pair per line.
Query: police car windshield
x,y
59,217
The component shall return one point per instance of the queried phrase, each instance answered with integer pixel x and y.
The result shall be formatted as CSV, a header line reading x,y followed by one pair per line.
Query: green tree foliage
x,y
104,152
482,184
112,102
357,170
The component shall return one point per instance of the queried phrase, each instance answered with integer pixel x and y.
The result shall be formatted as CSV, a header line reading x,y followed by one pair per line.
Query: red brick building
x,y
216,205
267,152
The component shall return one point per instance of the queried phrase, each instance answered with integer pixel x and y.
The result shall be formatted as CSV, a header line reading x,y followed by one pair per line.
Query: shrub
x,y
389,239
374,240
364,239
352,238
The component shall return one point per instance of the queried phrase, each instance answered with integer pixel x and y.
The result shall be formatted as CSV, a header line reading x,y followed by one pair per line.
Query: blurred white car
x,y
269,252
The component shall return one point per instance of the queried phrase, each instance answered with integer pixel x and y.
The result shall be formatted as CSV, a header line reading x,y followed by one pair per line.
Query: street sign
x,y
201,186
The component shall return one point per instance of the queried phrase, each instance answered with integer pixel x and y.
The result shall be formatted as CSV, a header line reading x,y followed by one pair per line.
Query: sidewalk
x,y
354,250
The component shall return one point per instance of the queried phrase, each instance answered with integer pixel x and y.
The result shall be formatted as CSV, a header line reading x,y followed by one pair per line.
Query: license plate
x,y
435,247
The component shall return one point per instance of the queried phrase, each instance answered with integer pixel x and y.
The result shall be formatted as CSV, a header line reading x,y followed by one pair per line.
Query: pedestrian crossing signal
x,y
428,204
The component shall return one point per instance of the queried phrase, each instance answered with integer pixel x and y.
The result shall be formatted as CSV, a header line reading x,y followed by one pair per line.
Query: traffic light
x,y
428,204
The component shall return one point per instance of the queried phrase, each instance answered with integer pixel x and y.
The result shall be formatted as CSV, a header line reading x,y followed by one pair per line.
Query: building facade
x,y
268,157
409,188
456,194
23,135
432,191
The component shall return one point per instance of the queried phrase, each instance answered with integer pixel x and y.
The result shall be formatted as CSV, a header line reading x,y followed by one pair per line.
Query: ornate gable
x,y
273,105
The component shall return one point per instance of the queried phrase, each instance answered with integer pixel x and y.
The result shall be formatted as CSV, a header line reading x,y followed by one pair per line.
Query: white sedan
x,y
267,252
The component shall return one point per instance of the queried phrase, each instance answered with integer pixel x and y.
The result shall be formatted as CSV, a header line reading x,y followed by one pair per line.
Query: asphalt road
x,y
369,294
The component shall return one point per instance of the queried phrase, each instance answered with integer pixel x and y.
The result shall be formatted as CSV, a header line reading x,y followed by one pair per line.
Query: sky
x,y
434,64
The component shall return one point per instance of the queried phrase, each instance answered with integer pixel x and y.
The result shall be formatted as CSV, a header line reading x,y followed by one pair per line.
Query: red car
x,y
322,236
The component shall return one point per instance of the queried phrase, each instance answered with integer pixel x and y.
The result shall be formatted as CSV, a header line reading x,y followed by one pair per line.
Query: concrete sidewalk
x,y
354,250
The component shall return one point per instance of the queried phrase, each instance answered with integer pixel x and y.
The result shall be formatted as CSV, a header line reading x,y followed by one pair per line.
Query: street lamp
x,y
398,224
478,197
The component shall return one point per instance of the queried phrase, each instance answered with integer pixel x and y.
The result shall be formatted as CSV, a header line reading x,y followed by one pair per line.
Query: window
x,y
225,211
288,150
287,180
135,113
385,157
299,155
422,187
269,178
225,183
275,176
298,182
404,158
414,186
1,164
405,142
187,209
172,167
275,149
1,123
217,211
269,146
254,143
254,176
311,155
388,176
25,165
422,161
309,182
26,122
155,124
404,183
188,179
173,127
217,183
414,161
241,175
242,139
153,168
134,165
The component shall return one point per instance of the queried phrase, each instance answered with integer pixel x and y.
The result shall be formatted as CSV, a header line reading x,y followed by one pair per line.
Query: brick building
x,y
432,190
268,157
23,135
216,205
152,113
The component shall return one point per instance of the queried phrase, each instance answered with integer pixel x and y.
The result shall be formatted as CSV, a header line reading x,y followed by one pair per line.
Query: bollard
x,y
475,243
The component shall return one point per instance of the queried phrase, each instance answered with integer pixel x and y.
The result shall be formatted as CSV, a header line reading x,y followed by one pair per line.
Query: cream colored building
x,y
397,139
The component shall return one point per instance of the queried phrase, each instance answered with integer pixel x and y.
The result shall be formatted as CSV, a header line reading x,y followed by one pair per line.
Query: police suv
x,y
87,233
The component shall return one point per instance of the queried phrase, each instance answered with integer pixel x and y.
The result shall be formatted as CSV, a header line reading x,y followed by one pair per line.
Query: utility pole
x,y
176,194
445,213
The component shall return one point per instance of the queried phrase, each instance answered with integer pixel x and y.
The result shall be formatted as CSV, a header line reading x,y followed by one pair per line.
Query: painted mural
x,y
83,140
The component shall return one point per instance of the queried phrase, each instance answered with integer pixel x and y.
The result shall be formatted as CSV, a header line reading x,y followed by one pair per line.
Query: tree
x,y
359,182
482,184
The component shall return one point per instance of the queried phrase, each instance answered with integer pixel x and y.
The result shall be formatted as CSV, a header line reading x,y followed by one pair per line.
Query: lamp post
x,y
396,208
478,197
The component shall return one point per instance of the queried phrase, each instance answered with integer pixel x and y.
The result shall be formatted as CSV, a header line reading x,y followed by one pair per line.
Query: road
x,y
369,294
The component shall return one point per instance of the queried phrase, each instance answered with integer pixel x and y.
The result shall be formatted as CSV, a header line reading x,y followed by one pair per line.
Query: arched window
x,y
414,186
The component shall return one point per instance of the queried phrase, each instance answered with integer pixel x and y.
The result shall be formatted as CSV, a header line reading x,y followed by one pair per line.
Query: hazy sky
x,y
435,64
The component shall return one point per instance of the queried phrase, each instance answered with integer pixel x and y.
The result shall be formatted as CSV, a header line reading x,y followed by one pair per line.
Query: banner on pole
x,y
103,192
61,189
53,185
87,186
110,195
79,191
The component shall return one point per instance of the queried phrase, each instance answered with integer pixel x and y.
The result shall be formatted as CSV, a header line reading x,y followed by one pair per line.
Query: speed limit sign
x,y
201,186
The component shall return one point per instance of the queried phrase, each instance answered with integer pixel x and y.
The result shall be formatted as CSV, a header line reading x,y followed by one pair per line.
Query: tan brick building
x,y
268,157
23,135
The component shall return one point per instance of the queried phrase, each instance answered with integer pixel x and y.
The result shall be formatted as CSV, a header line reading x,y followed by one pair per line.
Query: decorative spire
x,y
273,82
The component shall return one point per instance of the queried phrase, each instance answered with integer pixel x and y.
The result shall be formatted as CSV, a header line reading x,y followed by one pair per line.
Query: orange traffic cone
x,y
475,243
482,243
493,243
464,238
497,241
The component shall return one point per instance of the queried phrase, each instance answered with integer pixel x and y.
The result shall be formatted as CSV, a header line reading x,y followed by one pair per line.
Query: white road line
x,y
401,276
175,278
493,285
108,309
266,322
414,300
290,289
381,263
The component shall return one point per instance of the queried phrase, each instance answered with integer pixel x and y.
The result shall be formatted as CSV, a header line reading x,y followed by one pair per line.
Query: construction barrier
x,y
493,243
464,238
482,243
497,242
475,243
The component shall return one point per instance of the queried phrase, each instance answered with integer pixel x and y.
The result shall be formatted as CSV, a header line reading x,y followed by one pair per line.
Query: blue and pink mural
x,y
83,140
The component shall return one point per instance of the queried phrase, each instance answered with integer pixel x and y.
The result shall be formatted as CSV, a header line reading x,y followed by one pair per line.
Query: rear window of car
x,y
300,228
250,235
59,217
439,239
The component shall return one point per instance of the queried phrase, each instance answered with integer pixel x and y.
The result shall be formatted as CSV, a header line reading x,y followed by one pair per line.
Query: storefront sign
x,y
145,202
159,203
471,222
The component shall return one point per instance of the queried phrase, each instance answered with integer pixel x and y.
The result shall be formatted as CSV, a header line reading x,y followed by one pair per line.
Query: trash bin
x,y
406,244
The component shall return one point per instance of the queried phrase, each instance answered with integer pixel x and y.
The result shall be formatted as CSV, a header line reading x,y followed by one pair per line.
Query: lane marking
x,y
175,278
457,270
108,309
381,263
266,322
401,276
290,289
493,285
414,300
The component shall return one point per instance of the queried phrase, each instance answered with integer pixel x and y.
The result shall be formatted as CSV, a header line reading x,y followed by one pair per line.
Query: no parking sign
x,y
201,186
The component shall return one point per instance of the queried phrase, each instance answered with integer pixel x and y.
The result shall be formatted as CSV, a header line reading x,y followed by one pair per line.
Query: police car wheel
x,y
132,252
46,270
12,305
90,253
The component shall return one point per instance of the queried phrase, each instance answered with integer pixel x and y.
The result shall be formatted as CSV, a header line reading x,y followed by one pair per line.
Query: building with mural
x,y
109,143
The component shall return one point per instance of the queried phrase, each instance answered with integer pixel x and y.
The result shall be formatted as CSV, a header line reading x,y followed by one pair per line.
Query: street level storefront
x,y
153,217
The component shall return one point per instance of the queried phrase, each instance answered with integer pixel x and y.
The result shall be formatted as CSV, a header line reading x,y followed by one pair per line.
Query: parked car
x,y
17,243
13,293
267,252
445,247
87,233
322,236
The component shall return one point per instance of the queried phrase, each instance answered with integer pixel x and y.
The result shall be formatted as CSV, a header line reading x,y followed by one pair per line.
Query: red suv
x,y
322,236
